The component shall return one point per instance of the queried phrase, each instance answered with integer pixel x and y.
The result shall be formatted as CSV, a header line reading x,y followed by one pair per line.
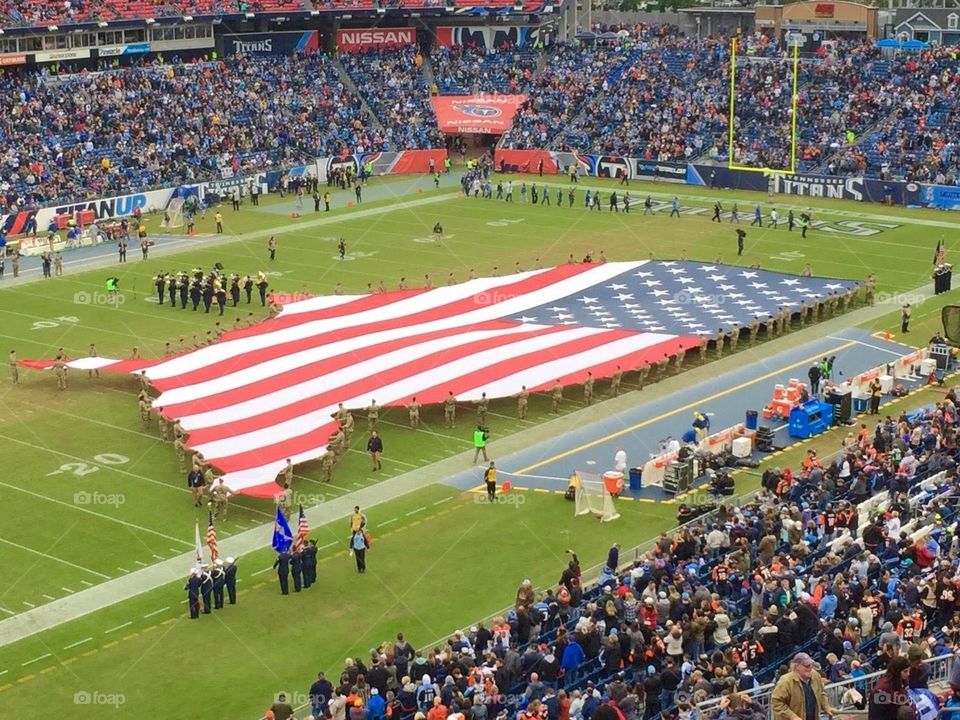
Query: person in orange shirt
x,y
438,711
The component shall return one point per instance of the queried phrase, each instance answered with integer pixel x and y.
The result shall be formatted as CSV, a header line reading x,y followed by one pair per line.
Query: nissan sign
x,y
366,38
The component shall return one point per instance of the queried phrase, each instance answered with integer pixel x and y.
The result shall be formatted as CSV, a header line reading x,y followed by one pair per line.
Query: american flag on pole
x,y
267,393
212,539
303,530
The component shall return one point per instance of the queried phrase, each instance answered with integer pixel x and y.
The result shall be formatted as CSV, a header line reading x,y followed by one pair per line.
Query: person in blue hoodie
x,y
573,657
376,706
828,605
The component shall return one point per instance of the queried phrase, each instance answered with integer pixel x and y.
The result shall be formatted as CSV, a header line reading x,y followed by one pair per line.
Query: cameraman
x,y
480,436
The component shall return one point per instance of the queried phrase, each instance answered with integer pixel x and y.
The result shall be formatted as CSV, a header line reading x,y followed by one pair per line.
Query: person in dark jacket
x,y
889,694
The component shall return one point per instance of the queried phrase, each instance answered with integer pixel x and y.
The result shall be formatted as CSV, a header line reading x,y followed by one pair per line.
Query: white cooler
x,y
928,366
741,447
886,383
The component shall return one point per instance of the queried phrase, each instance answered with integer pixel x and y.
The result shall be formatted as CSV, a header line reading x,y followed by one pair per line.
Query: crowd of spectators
x,y
851,560
471,71
124,130
393,83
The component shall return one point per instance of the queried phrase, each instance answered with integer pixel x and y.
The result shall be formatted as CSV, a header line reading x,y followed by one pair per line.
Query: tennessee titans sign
x,y
483,111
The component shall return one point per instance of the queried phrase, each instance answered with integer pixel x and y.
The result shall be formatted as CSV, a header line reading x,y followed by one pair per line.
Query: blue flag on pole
x,y
282,537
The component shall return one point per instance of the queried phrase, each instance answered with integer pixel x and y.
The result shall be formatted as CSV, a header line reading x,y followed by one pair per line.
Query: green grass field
x,y
91,494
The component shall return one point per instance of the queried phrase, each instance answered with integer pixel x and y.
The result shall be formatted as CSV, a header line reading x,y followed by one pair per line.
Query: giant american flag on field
x,y
267,393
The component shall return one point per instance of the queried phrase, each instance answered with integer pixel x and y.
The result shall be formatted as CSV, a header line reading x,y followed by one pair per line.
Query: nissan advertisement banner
x,y
354,39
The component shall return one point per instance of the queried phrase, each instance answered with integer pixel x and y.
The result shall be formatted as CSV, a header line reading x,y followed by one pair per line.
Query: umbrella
x,y
915,45
585,36
888,43
608,36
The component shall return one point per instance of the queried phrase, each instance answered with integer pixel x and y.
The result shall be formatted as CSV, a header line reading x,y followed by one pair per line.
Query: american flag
x,y
303,530
267,393
212,540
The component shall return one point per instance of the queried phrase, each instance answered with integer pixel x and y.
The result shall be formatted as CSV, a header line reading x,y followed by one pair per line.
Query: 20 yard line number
x,y
505,222
81,468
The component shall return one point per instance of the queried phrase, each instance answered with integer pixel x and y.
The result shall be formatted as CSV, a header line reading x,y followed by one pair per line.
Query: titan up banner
x,y
354,39
491,114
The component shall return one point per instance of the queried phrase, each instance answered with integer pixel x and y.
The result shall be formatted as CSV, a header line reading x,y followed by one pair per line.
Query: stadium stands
x,y
651,93
393,84
851,560
130,129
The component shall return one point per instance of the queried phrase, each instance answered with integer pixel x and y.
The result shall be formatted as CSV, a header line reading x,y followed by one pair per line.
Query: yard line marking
x,y
685,408
88,584
36,659
49,597
387,522
141,564
123,570
78,642
174,550
156,612
118,627
4,672
261,572
92,512
51,557
360,485
443,500
159,557
329,544
8,612
872,347
67,589
414,512
29,605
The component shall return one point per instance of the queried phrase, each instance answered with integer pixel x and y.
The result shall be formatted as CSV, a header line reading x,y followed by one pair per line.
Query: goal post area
x,y
592,497
731,115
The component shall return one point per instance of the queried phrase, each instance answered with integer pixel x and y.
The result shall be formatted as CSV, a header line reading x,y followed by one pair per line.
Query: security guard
x,y
310,563
480,444
206,589
219,576
414,410
482,406
230,580
523,398
450,411
373,415
282,565
556,395
588,389
193,593
615,382
14,370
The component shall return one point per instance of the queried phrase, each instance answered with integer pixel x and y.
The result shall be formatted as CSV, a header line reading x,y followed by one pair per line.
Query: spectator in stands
x,y
799,694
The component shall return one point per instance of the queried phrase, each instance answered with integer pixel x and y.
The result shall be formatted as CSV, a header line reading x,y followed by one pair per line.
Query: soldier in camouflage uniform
x,y
754,330
143,401
678,361
556,396
615,382
870,289
327,463
450,411
483,406
373,415
703,349
523,398
719,342
414,410
163,424
734,337
588,389
642,373
181,453
60,370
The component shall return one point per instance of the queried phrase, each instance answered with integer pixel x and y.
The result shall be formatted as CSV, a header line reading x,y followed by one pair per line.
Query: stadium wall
x,y
860,189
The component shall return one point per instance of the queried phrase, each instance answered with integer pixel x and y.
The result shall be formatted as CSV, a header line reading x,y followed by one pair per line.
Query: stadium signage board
x,y
476,113
365,38
276,43
116,50
61,55
820,186
7,60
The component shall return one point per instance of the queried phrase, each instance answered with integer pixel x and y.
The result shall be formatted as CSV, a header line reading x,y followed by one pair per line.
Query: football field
x,y
93,498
